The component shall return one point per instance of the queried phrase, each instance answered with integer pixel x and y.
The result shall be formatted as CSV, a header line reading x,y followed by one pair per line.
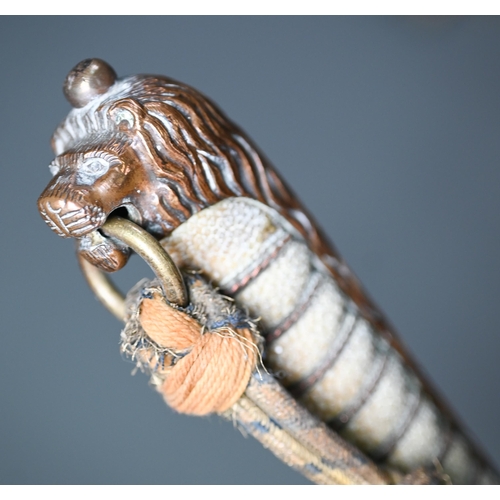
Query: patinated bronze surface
x,y
159,151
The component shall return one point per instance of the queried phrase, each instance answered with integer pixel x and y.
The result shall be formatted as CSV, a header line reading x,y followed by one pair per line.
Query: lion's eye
x,y
124,115
91,170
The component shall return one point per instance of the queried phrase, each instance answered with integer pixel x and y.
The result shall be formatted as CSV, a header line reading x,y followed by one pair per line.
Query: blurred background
x,y
388,130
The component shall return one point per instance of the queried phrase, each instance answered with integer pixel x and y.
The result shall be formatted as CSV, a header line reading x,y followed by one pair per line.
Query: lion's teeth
x,y
81,230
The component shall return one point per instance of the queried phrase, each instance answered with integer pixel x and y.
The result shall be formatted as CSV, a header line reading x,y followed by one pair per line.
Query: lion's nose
x,y
60,214
69,218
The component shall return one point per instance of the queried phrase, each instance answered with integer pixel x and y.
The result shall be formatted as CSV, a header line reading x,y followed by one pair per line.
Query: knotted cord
x,y
201,356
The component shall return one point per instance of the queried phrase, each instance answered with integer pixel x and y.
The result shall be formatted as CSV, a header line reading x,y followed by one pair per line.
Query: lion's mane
x,y
193,147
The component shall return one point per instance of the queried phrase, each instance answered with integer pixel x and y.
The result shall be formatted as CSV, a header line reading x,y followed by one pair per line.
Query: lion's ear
x,y
127,114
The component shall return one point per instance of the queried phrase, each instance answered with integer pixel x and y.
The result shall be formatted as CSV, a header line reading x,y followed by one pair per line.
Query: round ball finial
x,y
87,80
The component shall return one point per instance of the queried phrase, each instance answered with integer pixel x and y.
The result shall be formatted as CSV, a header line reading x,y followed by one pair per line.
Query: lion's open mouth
x,y
102,251
70,215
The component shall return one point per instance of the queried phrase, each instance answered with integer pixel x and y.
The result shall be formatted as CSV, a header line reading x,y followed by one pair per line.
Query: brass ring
x,y
151,251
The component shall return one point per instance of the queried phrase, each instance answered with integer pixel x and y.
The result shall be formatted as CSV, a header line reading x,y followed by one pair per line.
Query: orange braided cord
x,y
216,369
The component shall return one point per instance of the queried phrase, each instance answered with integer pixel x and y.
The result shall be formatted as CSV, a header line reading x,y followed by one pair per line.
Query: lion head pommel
x,y
152,146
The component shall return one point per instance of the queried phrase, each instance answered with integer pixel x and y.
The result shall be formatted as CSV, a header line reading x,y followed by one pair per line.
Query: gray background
x,y
387,128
